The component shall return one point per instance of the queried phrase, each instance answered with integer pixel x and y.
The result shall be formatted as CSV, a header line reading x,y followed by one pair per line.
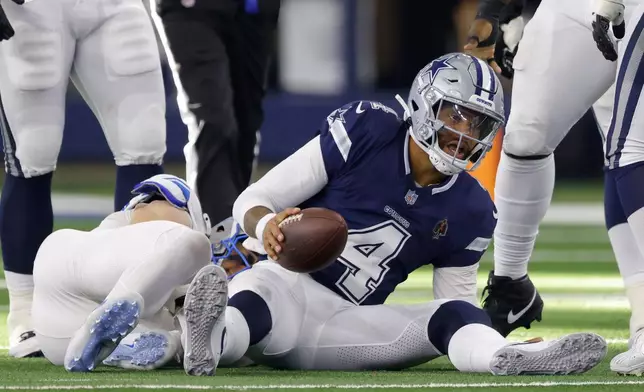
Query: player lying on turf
x,y
92,288
401,188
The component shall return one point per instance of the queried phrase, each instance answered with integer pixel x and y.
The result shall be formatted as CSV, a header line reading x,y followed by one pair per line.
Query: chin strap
x,y
406,111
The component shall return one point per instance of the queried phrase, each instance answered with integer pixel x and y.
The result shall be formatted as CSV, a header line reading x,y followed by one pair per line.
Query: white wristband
x,y
261,225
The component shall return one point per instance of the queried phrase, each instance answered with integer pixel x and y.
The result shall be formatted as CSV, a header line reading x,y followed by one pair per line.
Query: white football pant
x,y
109,49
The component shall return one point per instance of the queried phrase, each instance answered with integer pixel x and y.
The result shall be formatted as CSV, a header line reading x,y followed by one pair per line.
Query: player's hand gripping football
x,y
605,13
273,237
481,42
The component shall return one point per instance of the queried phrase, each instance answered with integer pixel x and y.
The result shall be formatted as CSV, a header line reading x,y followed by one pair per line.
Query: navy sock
x,y
127,177
255,311
449,318
26,219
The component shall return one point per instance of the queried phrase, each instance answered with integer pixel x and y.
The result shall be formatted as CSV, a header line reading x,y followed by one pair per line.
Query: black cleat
x,y
511,303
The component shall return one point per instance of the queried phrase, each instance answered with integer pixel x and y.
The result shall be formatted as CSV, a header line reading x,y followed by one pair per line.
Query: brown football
x,y
313,239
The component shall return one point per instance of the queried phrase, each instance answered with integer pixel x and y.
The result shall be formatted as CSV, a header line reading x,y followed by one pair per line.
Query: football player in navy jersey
x,y
403,188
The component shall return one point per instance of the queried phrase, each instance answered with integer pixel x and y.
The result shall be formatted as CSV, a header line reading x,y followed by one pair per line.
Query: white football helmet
x,y
177,192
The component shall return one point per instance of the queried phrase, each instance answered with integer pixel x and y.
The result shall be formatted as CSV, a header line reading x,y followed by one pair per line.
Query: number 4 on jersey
x,y
367,255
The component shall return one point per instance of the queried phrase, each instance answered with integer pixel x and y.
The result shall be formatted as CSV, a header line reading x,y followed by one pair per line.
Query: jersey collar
x,y
437,188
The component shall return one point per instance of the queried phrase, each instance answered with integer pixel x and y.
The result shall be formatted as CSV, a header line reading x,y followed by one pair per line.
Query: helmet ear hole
x,y
414,105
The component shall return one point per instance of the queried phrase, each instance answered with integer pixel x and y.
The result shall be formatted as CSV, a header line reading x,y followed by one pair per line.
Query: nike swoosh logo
x,y
495,214
512,318
359,109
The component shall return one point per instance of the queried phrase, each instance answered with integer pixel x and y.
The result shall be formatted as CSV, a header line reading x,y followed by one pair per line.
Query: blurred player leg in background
x,y
117,69
550,95
34,73
624,191
219,53
125,90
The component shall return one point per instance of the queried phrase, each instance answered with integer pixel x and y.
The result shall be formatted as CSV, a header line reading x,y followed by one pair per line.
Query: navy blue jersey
x,y
395,226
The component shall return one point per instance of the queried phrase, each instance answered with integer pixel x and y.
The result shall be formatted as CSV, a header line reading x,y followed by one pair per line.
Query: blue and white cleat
x,y
204,309
102,332
145,351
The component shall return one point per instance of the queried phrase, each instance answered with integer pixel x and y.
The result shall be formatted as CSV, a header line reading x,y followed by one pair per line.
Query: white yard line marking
x,y
83,205
334,386
617,341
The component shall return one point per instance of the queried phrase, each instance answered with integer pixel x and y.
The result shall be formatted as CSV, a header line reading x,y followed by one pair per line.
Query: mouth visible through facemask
x,y
454,149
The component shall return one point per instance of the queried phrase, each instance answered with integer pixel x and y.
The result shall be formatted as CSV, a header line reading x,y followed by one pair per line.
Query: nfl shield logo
x,y
411,197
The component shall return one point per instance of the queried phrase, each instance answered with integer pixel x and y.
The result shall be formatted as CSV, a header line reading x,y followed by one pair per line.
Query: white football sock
x,y
627,253
472,347
632,265
237,337
21,292
636,223
523,193
635,295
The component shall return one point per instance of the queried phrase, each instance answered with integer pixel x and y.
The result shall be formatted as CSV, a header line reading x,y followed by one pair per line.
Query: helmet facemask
x,y
228,252
456,134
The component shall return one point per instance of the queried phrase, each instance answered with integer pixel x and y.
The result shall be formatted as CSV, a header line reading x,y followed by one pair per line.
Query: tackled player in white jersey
x,y
394,181
93,288
109,50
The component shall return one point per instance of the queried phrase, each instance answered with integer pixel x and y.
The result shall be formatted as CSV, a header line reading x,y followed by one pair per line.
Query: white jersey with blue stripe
x,y
624,144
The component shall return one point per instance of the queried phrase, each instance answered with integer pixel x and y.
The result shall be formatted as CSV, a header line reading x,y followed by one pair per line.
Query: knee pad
x,y
36,149
526,144
141,133
449,318
33,151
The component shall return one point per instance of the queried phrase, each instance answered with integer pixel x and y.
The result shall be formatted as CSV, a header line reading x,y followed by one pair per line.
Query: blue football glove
x,y
176,192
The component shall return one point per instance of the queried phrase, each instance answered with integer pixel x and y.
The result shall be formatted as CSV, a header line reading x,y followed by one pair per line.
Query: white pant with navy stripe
x,y
559,75
624,143
314,328
109,49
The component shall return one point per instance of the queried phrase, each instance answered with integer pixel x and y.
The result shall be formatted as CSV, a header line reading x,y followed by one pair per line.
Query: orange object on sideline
x,y
486,172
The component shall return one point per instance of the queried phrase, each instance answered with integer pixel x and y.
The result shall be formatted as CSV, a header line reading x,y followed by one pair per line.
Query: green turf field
x,y
573,268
